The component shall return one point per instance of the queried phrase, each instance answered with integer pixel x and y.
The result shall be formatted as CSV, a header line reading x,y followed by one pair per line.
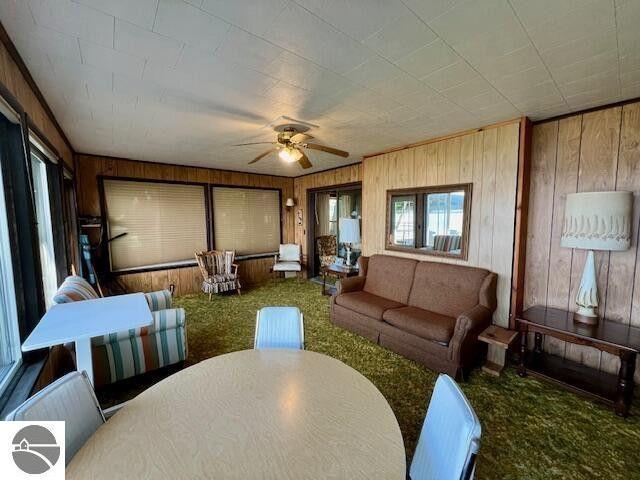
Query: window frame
x,y
420,193
105,251
212,186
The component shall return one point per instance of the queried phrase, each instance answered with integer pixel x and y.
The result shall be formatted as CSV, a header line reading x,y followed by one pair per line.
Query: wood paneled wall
x,y
328,178
488,159
188,279
11,77
594,151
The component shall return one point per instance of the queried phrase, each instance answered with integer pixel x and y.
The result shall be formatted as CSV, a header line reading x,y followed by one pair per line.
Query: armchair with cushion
x,y
288,260
427,311
327,249
219,271
125,354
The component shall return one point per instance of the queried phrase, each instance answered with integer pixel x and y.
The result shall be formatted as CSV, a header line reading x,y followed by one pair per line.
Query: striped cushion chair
x,y
121,355
219,271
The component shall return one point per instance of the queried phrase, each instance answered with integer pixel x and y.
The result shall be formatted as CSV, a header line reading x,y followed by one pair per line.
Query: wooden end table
x,y
608,336
501,338
338,271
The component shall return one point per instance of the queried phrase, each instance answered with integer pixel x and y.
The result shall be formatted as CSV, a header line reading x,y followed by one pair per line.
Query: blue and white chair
x,y
450,436
70,399
279,327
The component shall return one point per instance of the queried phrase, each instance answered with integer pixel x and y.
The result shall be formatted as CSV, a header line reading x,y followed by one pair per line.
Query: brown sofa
x,y
427,311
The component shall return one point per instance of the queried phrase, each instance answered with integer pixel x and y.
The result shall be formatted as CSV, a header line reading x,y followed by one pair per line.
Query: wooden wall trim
x,y
521,221
444,137
621,103
13,52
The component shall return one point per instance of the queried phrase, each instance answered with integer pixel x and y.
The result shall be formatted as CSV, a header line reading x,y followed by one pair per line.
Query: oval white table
x,y
268,414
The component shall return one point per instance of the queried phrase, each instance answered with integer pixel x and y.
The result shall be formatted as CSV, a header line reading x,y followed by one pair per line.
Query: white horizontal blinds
x,y
164,222
246,220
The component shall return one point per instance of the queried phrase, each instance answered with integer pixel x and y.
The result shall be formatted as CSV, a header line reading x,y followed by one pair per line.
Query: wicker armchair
x,y
219,272
327,248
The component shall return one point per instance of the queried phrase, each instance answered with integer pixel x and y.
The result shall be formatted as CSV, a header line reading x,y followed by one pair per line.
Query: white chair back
x,y
279,327
70,399
450,436
289,252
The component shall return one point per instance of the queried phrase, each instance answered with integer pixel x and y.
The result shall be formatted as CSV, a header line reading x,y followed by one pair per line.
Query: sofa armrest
x,y
468,325
350,284
363,265
159,300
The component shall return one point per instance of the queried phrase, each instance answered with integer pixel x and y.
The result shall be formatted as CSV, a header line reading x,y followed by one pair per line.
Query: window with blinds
x,y
164,223
246,220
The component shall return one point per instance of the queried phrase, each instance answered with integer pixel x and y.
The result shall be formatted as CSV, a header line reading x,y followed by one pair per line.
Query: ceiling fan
x,y
290,145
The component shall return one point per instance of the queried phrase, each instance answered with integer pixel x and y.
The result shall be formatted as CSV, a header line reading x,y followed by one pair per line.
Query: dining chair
x,y
279,327
70,399
450,436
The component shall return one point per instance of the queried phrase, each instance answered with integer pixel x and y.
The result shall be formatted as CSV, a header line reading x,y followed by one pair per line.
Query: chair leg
x,y
210,293
239,293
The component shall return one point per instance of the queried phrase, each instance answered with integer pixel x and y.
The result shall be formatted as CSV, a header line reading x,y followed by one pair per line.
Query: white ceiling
x,y
180,82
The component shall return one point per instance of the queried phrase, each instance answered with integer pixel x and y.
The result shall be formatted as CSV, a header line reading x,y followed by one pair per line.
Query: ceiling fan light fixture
x,y
290,155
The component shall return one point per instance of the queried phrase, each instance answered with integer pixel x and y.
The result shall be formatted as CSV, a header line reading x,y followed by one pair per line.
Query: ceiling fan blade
x,y
262,155
304,161
255,143
333,151
301,137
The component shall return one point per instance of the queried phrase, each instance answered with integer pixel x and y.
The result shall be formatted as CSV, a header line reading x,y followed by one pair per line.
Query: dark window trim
x,y
280,213
105,252
420,193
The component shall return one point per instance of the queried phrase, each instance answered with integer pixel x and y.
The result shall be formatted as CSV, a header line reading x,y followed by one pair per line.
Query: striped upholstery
x,y
450,436
74,288
69,399
121,355
279,327
218,271
447,243
158,300
117,356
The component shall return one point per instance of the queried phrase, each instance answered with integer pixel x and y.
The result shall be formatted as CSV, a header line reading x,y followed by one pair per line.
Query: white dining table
x,y
80,321
252,414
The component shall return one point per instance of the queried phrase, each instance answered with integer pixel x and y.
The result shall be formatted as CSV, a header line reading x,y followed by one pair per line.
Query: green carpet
x,y
530,429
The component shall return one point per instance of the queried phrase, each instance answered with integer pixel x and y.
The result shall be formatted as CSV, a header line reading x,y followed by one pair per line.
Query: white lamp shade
x,y
349,230
290,202
598,221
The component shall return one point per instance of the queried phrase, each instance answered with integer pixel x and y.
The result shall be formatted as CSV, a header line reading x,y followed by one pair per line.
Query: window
x,y
154,224
430,220
45,229
10,356
403,220
246,220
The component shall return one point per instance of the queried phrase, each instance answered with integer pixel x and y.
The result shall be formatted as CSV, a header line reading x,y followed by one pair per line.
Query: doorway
x,y
335,217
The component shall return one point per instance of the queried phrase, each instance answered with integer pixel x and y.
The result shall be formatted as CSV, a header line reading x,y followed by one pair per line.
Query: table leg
x,y
522,368
625,383
83,357
538,343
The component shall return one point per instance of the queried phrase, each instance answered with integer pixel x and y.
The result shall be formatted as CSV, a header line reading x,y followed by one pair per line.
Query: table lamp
x,y
595,221
349,229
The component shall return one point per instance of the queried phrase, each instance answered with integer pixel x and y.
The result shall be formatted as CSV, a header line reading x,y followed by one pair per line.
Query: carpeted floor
x,y
531,430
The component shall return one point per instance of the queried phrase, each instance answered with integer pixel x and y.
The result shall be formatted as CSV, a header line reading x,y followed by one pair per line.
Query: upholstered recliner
x,y
327,249
121,355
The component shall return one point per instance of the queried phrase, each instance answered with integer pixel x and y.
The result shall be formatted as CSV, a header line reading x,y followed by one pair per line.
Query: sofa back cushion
x,y
74,289
450,289
390,277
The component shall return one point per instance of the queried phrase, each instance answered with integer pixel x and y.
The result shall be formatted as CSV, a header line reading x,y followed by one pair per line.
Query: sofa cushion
x,y
390,277
366,303
445,288
74,289
422,323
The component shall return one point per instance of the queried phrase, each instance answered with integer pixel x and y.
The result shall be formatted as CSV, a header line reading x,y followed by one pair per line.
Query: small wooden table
x,y
79,322
272,414
608,336
338,271
501,338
